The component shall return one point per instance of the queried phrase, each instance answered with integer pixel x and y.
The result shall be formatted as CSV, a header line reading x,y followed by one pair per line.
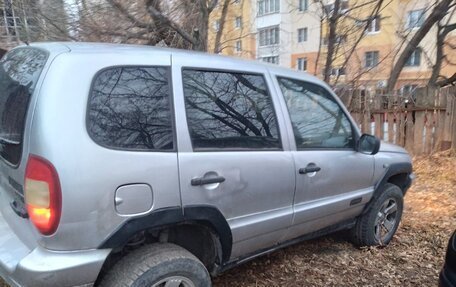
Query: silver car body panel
x,y
257,196
264,199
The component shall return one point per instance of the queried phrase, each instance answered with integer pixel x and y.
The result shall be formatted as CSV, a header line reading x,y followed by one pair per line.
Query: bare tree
x,y
345,31
443,29
440,10
218,35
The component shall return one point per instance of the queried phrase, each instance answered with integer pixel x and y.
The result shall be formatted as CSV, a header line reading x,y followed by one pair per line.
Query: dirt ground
x,y
413,258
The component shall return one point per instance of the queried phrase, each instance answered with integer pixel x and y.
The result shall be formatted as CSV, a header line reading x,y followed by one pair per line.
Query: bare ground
x,y
413,258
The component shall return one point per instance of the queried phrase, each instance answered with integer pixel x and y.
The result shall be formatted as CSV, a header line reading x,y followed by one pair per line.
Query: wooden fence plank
x,y
423,125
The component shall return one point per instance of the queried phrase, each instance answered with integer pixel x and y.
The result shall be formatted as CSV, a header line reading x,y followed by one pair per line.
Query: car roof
x,y
125,49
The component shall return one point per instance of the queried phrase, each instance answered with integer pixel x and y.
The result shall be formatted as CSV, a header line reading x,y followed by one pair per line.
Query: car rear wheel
x,y
379,223
158,265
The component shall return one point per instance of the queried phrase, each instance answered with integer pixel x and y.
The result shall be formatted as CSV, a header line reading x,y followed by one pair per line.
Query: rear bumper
x,y
24,266
47,268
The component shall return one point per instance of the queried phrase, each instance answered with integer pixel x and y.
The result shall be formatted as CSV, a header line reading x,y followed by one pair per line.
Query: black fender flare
x,y
206,215
391,170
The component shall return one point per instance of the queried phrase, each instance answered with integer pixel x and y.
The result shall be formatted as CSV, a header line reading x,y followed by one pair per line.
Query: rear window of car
x,y
20,70
130,109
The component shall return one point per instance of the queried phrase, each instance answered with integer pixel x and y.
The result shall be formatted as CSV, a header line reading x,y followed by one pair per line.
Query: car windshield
x,y
19,73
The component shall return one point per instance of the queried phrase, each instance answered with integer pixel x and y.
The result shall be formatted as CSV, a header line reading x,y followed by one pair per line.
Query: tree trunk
x,y
332,38
218,36
437,13
441,35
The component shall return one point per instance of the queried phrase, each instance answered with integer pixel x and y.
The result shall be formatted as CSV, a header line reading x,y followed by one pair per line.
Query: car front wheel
x,y
379,223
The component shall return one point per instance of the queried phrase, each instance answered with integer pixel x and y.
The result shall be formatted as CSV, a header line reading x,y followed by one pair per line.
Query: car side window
x,y
130,108
317,119
229,110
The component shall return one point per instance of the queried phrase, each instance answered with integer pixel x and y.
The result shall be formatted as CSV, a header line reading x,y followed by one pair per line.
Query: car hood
x,y
388,147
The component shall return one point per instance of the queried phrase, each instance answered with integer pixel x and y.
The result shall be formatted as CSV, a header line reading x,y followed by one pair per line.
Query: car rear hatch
x,y
20,72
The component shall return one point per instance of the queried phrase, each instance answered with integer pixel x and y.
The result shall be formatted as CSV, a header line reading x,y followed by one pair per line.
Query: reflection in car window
x,y
317,119
229,110
130,108
20,70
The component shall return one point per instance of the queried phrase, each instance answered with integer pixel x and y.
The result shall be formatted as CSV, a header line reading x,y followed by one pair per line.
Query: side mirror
x,y
368,144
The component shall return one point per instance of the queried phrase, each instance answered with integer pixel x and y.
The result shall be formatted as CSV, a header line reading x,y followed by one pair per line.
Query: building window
x,y
343,7
415,58
340,39
303,5
217,25
415,18
271,59
238,22
238,46
301,64
269,36
408,89
268,7
302,35
371,59
374,25
338,71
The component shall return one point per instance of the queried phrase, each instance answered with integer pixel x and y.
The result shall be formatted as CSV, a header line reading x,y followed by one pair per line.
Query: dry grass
x,y
413,258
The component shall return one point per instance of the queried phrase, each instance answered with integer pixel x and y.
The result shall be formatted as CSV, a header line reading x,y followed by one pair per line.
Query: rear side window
x,y
228,110
130,108
20,70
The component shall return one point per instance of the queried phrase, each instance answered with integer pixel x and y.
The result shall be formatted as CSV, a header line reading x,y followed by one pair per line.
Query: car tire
x,y
379,222
156,265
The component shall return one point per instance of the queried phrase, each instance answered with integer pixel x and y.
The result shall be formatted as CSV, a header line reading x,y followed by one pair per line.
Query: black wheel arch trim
x,y
392,170
207,215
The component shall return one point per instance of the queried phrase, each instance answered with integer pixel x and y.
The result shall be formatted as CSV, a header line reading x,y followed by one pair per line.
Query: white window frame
x,y
303,5
271,59
301,64
217,25
418,20
238,22
238,46
266,7
303,35
373,57
372,28
415,58
269,36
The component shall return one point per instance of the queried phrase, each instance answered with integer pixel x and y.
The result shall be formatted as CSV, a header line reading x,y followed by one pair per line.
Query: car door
x,y
231,153
333,181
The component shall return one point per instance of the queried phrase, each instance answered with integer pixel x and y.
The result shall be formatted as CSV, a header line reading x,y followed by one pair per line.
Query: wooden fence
x,y
423,122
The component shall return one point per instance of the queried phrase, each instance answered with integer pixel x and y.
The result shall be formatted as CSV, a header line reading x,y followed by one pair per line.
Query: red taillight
x,y
42,194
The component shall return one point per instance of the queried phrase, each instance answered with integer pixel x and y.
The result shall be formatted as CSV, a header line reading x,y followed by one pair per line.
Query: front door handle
x,y
202,180
311,167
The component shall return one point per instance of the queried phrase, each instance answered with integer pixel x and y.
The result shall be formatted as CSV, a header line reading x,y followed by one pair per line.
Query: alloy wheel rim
x,y
174,281
386,220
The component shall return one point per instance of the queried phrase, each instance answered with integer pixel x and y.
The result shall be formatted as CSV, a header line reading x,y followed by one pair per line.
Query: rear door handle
x,y
309,169
202,180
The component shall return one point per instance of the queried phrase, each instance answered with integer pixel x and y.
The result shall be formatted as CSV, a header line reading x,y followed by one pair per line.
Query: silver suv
x,y
138,166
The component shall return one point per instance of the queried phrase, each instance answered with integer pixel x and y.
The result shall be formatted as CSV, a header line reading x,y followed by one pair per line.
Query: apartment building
x,y
237,33
294,33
